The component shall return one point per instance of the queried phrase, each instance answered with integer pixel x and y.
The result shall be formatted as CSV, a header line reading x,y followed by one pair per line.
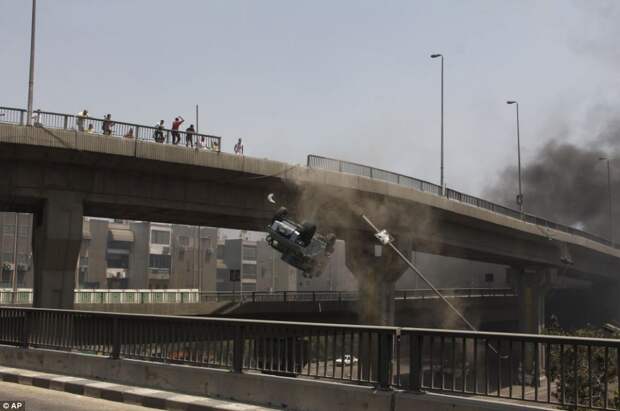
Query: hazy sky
x,y
346,79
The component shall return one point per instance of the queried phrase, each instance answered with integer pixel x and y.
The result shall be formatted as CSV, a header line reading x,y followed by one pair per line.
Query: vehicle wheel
x,y
307,232
280,214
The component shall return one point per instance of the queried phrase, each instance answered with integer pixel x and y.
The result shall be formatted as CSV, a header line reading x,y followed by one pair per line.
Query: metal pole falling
x,y
417,271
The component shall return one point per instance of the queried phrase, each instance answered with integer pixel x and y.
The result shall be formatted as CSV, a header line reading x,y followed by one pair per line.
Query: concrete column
x,y
57,237
376,268
531,286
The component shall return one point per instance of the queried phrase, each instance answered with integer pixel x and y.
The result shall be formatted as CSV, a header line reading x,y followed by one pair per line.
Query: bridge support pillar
x,y
56,240
376,268
531,286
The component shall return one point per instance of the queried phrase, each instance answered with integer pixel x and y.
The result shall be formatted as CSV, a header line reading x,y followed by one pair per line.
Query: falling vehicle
x,y
301,246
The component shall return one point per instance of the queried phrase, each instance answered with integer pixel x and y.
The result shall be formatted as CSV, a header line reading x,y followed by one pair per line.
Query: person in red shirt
x,y
176,137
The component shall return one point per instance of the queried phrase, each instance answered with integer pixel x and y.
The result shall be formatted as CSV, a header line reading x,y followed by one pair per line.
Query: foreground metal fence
x,y
421,185
120,129
563,371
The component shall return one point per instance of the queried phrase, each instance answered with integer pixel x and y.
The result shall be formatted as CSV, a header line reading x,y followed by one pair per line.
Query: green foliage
x,y
592,375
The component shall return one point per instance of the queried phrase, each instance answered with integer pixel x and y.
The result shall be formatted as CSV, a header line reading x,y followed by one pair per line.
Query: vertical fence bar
x,y
463,362
116,339
453,364
475,390
510,376
548,369
606,370
385,360
499,367
575,375
562,376
536,370
26,324
522,370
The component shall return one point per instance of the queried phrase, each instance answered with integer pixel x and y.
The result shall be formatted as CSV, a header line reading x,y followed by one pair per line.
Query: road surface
x,y
42,399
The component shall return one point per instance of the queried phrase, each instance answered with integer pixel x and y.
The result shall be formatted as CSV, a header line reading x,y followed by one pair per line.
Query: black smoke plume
x,y
567,183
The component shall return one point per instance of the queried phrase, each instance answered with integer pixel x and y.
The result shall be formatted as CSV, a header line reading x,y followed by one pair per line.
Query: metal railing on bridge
x,y
326,163
143,132
342,296
557,370
192,296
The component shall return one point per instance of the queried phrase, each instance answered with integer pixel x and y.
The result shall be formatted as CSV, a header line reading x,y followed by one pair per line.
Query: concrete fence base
x,y
268,390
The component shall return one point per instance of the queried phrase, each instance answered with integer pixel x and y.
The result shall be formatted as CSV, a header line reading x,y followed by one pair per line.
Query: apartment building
x,y
273,273
193,257
16,248
133,254
236,265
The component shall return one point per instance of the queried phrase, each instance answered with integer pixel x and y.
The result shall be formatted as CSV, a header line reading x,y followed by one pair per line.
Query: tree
x,y
592,375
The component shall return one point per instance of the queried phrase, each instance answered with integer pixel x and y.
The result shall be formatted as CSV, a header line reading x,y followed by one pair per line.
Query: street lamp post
x,y
433,56
520,195
611,216
31,75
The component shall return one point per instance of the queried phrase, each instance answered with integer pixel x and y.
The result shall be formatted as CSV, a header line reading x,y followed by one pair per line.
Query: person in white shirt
x,y
79,119
201,143
36,118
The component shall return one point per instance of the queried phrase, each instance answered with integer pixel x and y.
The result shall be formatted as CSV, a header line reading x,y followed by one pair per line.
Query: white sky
x,y
346,79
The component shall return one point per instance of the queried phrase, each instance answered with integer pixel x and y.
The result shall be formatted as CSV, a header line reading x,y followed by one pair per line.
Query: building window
x,y
8,243
220,252
184,240
249,271
24,231
489,277
9,228
22,258
7,257
119,245
249,287
160,237
159,261
249,252
118,261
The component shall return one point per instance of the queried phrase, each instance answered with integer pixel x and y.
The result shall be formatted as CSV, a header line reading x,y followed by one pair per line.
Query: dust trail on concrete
x,y
331,209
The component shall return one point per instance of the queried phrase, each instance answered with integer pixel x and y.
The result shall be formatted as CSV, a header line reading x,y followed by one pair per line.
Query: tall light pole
x,y
520,195
197,118
611,216
433,56
31,76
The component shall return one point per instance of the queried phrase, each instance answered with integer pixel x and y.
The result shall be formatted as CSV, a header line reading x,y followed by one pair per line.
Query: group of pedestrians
x,y
192,140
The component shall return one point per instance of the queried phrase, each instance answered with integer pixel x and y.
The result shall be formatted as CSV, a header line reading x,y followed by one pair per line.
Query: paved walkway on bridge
x,y
52,392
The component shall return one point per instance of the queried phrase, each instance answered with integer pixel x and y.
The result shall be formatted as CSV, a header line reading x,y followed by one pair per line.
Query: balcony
x,y
117,273
158,273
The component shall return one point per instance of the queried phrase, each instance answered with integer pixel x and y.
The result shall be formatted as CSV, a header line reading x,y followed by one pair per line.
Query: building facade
x,y
16,249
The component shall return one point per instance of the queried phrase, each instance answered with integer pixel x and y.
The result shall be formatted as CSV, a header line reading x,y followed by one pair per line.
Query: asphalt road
x,y
42,399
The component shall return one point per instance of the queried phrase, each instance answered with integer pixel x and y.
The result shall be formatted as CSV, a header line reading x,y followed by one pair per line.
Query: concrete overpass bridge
x,y
61,174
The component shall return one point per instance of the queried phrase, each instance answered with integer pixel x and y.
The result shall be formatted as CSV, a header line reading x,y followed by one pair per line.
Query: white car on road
x,y
347,360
